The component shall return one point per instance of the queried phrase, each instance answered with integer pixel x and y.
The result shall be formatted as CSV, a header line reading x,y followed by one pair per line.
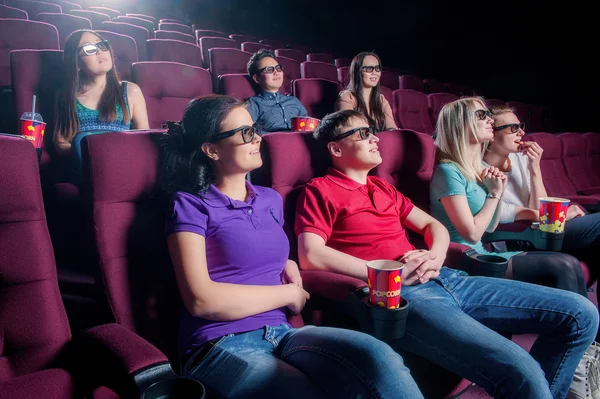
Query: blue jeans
x,y
582,232
310,362
452,319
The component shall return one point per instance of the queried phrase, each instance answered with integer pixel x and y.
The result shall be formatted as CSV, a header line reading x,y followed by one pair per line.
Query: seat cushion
x,y
47,384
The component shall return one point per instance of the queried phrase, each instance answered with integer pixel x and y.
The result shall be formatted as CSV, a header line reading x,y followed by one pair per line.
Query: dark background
x,y
529,51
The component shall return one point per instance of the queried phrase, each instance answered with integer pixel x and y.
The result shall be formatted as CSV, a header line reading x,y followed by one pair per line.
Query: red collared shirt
x,y
364,221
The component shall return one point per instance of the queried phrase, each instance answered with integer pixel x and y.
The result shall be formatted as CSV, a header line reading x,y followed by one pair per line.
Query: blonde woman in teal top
x,y
466,197
92,97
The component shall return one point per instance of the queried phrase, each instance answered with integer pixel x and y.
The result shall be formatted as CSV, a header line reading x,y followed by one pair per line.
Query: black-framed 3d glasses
x,y
92,49
514,127
364,132
371,68
248,133
482,114
270,69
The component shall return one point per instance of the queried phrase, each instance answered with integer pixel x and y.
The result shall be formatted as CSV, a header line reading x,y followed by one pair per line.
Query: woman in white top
x,y
520,162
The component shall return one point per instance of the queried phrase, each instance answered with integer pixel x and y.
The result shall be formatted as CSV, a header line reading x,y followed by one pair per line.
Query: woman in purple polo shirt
x,y
229,252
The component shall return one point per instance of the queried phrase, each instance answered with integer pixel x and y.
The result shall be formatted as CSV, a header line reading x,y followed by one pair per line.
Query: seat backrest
x,y
125,52
408,162
67,5
226,61
459,89
237,85
433,86
171,20
390,79
316,69
592,146
120,173
243,38
321,57
553,168
200,33
11,12
343,62
32,35
175,27
294,54
174,51
411,82
274,43
343,74
144,23
34,322
536,119
139,34
33,8
167,34
168,87
411,111
575,160
37,72
142,16
254,47
291,72
96,18
317,95
435,103
206,43
65,24
105,10
290,160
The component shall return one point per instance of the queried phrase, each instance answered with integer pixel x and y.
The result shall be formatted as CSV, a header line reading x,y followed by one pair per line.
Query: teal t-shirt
x,y
448,180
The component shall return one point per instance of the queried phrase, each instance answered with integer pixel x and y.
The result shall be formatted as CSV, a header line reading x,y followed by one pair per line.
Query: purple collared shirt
x,y
245,244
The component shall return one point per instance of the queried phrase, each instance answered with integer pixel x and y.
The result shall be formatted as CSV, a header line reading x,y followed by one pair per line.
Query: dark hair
x,y
66,121
184,166
331,124
376,117
255,59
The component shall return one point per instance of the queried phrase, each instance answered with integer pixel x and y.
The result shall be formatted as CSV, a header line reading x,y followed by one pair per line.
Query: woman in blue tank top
x,y
92,97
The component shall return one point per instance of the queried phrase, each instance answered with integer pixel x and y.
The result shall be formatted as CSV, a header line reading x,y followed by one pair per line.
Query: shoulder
x,y
447,171
346,95
320,186
133,90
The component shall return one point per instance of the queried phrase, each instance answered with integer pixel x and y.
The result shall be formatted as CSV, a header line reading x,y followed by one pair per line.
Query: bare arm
x,y
469,227
527,214
210,300
62,146
533,152
137,105
315,255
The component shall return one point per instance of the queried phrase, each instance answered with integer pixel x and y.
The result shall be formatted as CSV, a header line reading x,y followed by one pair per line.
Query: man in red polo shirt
x,y
347,218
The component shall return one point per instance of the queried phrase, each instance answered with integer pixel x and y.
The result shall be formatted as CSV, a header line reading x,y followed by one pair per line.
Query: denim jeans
x,y
310,362
452,319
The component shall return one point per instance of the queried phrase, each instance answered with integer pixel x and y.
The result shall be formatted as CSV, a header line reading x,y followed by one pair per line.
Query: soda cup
x,y
32,127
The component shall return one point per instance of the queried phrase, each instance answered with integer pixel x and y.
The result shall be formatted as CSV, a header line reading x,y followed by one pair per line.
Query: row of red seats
x,y
39,356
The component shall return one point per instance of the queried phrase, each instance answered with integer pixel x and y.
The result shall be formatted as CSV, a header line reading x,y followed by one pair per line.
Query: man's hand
x,y
291,274
420,266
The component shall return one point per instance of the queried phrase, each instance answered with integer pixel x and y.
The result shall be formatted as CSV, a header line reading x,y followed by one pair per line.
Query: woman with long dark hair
x,y
363,93
92,97
230,256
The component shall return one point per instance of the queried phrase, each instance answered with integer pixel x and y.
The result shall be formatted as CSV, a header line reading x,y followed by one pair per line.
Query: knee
x,y
587,317
561,263
524,377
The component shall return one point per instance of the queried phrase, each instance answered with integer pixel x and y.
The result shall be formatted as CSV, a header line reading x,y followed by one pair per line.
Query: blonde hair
x,y
456,124
497,110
